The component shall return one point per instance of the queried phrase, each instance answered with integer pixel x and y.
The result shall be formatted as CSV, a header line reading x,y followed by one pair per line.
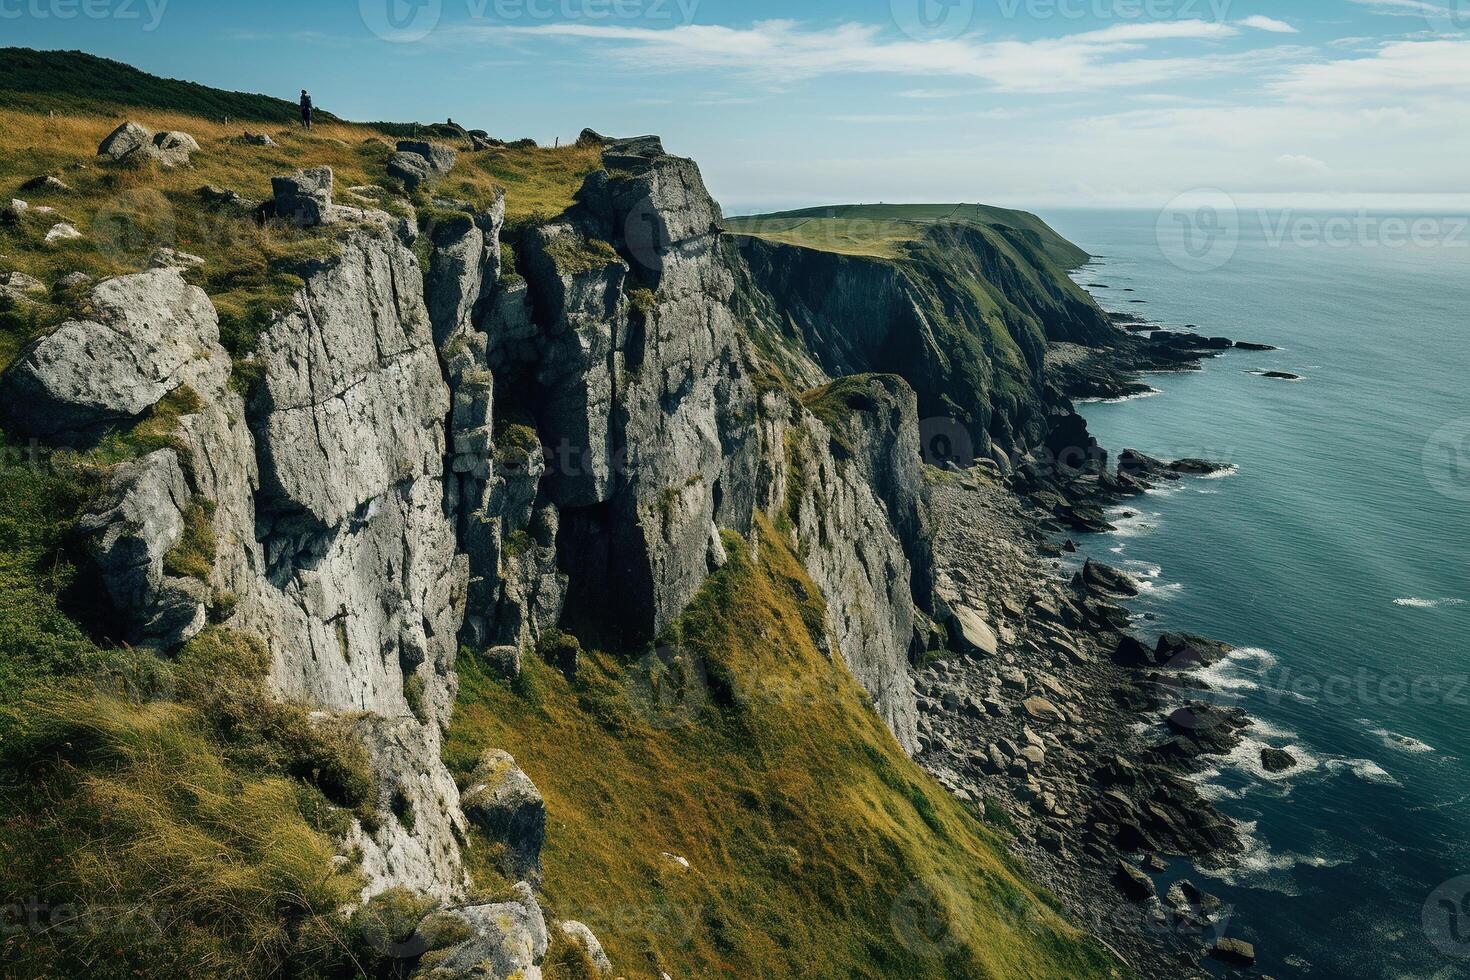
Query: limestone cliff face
x,y
466,453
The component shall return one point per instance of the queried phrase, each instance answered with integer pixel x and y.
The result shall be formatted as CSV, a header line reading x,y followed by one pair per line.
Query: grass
x,y
879,229
251,271
816,848
66,81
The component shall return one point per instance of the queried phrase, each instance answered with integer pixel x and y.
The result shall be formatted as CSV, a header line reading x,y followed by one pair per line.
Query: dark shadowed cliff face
x,y
964,316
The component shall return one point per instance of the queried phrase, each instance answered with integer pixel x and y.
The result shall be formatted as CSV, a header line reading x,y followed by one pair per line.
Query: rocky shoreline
x,y
1058,722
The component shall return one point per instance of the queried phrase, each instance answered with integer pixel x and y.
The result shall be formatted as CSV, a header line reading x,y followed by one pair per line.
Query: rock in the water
x,y
504,803
1235,951
1131,653
1277,760
1247,345
581,937
1095,576
974,634
89,376
1184,651
131,531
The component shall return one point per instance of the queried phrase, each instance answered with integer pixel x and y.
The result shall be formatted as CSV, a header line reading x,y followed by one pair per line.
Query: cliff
x,y
440,439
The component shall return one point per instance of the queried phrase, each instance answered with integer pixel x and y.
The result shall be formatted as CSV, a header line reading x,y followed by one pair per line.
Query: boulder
x,y
126,140
62,232
18,285
1184,651
1247,345
417,162
170,258
222,197
504,803
579,936
130,532
1095,576
46,184
304,198
496,942
1133,883
1131,653
1277,760
131,140
90,376
257,139
1042,710
973,634
1237,952
1214,729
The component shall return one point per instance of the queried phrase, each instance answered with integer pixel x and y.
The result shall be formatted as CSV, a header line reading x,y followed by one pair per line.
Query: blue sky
x,y
1038,103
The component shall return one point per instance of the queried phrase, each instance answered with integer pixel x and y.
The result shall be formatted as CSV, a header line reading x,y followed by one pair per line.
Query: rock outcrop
x,y
134,141
152,333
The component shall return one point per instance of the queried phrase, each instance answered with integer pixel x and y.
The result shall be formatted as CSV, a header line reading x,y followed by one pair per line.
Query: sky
x,y
1029,103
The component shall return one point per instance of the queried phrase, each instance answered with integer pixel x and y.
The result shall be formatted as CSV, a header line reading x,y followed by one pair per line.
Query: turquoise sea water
x,y
1337,559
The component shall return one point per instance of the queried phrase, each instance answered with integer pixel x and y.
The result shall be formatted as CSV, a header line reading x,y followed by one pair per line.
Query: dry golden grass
x,y
816,848
126,212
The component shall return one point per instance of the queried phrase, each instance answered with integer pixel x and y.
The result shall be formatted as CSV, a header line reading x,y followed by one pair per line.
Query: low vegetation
x,y
814,846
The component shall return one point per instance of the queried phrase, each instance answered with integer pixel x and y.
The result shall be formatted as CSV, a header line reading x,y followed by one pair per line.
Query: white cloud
x,y
1396,71
1402,8
1270,24
784,50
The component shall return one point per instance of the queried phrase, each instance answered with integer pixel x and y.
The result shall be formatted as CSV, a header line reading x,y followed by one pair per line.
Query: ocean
x,y
1334,558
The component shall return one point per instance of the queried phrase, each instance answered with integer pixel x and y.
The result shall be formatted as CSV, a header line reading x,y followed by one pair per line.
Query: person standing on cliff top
x,y
305,109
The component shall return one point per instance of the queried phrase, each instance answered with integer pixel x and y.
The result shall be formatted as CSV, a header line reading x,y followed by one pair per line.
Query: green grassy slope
x,y
876,229
815,847
71,81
